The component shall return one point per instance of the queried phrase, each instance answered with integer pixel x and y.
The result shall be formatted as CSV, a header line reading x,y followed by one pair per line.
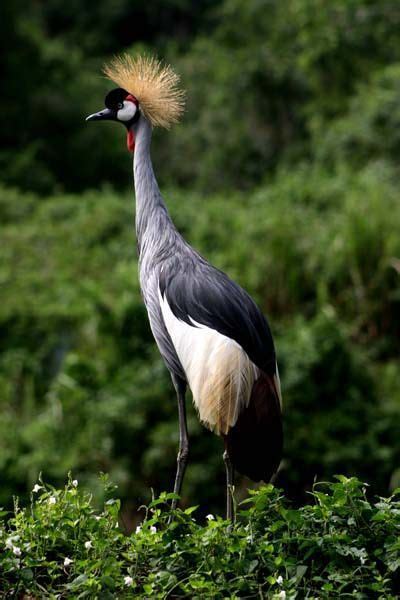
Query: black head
x,y
123,107
120,106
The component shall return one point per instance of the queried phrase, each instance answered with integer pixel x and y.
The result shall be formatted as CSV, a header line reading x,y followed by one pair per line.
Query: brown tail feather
x,y
255,442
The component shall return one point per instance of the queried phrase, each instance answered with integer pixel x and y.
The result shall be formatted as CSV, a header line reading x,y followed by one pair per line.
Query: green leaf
x,y
190,510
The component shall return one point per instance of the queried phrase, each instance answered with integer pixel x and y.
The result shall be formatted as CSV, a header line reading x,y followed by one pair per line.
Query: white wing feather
x,y
219,372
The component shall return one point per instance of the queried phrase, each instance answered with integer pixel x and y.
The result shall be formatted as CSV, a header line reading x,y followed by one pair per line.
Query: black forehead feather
x,y
114,97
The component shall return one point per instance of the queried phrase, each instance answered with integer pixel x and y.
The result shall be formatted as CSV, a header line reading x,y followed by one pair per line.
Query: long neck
x,y
152,217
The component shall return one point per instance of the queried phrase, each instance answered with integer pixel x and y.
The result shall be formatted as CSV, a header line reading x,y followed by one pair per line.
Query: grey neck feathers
x,y
153,223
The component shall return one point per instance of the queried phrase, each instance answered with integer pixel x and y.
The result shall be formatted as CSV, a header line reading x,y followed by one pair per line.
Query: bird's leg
x,y
229,485
183,452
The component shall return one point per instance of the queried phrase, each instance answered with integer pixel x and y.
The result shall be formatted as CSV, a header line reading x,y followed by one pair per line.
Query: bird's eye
x,y
120,105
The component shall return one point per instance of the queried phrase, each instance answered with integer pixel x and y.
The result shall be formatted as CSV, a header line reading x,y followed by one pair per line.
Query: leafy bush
x,y
266,80
82,386
342,544
369,129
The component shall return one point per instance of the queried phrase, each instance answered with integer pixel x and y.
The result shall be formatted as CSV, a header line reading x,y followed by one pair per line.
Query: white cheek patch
x,y
127,112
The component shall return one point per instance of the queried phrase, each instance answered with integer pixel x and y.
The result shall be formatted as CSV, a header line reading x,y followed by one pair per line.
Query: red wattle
x,y
130,141
132,99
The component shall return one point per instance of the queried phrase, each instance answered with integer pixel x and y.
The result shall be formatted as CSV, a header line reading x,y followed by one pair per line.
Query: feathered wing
x,y
255,442
219,372
226,349
198,293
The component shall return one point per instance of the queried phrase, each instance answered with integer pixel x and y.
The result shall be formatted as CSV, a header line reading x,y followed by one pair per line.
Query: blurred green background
x,y
284,172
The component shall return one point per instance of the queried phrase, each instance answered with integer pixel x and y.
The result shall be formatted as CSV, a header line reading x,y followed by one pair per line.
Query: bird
x,y
211,334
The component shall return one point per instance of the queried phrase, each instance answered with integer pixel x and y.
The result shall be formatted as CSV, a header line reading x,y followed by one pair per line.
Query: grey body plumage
x,y
165,256
210,333
197,292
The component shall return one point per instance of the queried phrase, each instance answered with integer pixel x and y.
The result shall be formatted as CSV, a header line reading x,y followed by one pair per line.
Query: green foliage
x,y
369,129
341,544
266,80
82,386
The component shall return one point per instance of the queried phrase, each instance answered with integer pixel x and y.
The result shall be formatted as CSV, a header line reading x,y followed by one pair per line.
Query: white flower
x,y
128,580
279,580
138,529
153,529
10,544
282,594
210,517
36,488
52,500
75,483
67,561
362,554
97,517
88,545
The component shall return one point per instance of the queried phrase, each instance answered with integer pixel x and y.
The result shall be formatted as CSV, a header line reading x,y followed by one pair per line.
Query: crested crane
x,y
210,333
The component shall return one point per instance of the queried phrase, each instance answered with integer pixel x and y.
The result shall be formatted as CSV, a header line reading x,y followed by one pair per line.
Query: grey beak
x,y
104,115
